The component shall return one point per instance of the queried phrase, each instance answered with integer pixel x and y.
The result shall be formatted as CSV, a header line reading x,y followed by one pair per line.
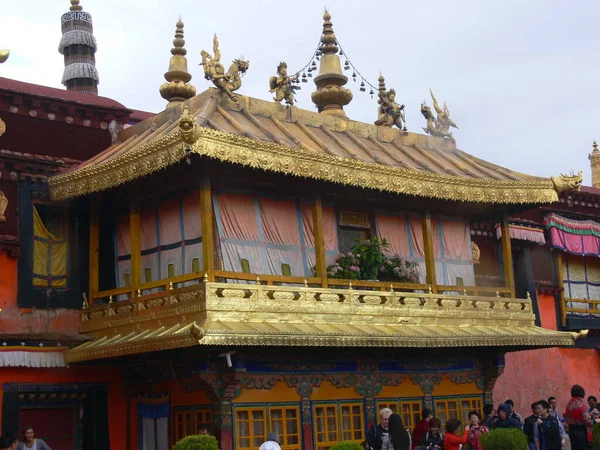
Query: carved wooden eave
x,y
221,314
268,136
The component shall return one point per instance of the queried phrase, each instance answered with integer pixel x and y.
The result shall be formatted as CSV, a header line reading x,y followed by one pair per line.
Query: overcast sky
x,y
521,77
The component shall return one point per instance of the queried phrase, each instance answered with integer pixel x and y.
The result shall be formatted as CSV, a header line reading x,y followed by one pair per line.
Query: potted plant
x,y
346,445
197,442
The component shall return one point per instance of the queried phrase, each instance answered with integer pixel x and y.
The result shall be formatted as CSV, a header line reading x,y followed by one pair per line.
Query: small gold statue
x,y
282,85
439,126
389,112
214,71
3,206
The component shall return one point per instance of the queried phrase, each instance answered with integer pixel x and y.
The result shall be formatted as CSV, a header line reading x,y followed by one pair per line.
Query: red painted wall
x,y
538,374
117,405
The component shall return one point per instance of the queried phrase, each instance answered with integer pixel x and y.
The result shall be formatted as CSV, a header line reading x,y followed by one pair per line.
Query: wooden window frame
x,y
396,406
194,424
268,423
460,412
339,431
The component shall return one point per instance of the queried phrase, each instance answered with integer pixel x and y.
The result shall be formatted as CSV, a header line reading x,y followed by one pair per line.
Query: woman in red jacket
x,y
451,439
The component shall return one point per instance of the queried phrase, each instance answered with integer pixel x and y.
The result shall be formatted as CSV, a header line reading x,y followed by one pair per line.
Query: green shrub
x,y
347,445
197,442
596,436
504,439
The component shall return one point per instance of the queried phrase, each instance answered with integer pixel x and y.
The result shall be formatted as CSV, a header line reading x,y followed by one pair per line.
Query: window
x,y
446,409
391,405
285,422
189,421
195,265
411,413
245,266
348,237
335,421
470,404
171,270
457,407
148,274
50,246
286,270
253,424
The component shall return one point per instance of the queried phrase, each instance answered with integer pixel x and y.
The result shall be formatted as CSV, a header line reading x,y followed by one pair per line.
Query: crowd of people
x,y
545,428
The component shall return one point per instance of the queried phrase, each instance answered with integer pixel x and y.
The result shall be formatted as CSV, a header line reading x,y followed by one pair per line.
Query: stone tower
x,y
594,158
78,46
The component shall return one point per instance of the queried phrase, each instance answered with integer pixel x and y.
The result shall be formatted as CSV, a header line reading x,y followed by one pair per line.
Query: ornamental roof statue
x,y
282,85
440,125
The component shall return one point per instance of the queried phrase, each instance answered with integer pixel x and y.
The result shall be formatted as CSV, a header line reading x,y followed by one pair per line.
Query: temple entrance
x,y
56,426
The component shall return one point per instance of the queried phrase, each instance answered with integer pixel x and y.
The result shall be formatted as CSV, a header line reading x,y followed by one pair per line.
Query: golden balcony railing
x,y
579,308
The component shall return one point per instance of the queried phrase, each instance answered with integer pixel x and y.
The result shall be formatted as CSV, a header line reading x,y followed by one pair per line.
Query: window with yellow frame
x,y
189,420
409,409
337,422
253,423
456,408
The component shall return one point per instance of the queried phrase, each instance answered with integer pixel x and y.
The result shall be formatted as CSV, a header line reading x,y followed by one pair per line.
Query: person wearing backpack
x,y
433,439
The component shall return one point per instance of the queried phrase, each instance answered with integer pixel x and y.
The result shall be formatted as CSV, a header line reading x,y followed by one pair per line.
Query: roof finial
x,y
75,6
330,97
595,146
177,89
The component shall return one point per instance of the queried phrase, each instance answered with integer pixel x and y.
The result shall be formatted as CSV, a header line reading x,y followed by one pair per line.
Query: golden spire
x,y
594,158
75,6
177,89
330,97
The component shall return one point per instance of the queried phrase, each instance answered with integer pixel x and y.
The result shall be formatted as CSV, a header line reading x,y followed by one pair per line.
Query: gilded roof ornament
x,y
177,89
214,71
282,85
566,183
75,6
440,125
188,127
4,53
389,113
330,96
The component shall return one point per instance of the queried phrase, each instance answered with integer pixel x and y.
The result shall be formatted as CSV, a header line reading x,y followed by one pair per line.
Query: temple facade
x,y
257,267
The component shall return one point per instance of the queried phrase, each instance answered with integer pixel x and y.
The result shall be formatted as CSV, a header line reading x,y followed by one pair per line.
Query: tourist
x,y
451,439
421,427
504,420
515,415
30,442
578,419
433,439
272,442
476,429
376,433
592,402
203,429
488,415
553,408
8,441
549,435
529,427
398,437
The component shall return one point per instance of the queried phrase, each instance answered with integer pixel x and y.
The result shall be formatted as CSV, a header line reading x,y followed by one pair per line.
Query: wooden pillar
x,y
561,287
208,238
509,275
319,239
428,248
136,246
94,248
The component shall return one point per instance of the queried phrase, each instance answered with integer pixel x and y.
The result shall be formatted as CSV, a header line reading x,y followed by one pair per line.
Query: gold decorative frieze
x,y
171,148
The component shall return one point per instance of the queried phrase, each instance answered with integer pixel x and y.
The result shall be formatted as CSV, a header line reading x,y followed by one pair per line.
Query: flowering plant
x,y
367,261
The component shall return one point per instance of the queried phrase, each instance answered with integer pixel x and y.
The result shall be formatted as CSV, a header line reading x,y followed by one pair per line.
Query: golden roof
x,y
272,137
221,314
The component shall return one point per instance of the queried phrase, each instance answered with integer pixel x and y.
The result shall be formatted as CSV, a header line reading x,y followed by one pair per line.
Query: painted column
x,y
224,420
307,424
426,381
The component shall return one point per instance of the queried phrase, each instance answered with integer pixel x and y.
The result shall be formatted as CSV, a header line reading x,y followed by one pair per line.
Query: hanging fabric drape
x,y
523,233
451,242
578,237
171,239
153,424
50,255
267,235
